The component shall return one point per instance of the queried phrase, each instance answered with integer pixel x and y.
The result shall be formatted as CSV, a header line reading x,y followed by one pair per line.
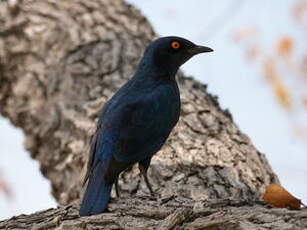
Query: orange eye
x,y
175,45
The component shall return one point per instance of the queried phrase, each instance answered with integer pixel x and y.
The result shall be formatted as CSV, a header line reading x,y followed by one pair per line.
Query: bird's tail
x,y
98,191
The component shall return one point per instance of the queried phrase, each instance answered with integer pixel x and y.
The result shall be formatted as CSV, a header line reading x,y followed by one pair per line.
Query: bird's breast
x,y
166,105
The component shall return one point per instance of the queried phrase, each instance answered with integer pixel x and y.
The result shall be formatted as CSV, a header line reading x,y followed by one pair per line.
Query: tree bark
x,y
143,213
61,60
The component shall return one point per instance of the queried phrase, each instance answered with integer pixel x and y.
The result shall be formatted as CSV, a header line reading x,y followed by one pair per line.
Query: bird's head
x,y
167,54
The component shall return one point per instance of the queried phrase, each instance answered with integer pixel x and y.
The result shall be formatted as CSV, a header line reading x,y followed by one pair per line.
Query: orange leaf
x,y
270,71
280,90
245,33
285,46
278,197
282,94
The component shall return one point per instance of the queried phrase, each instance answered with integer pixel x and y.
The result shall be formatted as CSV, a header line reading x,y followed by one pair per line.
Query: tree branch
x,y
177,213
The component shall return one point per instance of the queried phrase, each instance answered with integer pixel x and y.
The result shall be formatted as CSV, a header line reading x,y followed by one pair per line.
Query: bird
x,y
135,123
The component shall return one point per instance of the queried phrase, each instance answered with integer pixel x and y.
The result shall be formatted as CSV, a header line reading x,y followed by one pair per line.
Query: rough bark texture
x,y
61,60
144,214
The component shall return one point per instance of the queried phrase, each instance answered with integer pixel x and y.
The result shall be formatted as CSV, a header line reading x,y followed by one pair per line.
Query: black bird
x,y
137,120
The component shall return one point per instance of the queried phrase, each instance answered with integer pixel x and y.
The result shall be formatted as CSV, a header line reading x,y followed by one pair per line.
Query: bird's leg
x,y
144,173
116,187
143,166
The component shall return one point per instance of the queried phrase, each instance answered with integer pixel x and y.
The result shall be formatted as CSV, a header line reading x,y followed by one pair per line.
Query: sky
x,y
238,84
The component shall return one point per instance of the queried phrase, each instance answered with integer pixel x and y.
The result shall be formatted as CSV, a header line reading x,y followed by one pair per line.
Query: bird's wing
x,y
91,157
97,193
104,140
142,132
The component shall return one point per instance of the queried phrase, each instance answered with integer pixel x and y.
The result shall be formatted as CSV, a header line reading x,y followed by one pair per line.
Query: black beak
x,y
199,49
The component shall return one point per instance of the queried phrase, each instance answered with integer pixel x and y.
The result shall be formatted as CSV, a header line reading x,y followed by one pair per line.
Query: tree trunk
x,y
61,60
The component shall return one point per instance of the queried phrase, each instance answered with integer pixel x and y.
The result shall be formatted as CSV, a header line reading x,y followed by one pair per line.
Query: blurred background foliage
x,y
284,65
